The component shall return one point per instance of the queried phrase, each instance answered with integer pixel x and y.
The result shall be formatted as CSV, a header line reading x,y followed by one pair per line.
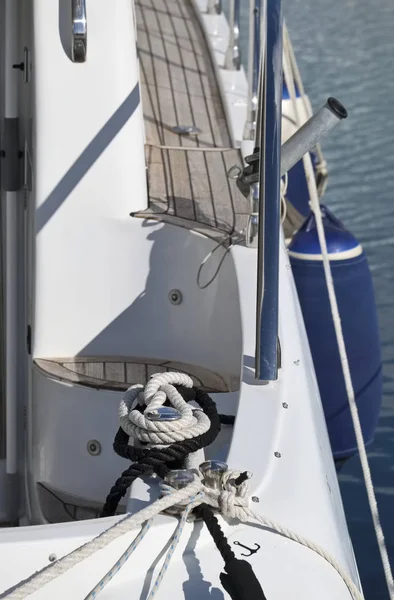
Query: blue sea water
x,y
346,49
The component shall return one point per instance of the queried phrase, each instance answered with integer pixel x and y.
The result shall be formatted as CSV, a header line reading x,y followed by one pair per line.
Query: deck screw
x,y
255,499
52,557
285,405
277,454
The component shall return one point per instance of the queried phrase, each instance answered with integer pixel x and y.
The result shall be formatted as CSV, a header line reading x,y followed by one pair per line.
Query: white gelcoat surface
x,y
84,230
214,327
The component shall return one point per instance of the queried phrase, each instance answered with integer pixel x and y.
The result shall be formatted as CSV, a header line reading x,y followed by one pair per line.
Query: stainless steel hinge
x,y
28,339
10,156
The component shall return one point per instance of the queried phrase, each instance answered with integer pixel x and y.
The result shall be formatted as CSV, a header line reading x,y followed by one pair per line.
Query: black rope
x,y
227,419
163,460
205,512
239,580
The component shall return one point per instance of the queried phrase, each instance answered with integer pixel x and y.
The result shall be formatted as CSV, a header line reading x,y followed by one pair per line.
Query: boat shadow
x,y
195,586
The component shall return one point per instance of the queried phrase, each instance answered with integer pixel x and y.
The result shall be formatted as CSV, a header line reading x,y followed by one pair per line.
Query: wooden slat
x,y
95,370
136,373
179,87
202,192
115,371
152,369
118,373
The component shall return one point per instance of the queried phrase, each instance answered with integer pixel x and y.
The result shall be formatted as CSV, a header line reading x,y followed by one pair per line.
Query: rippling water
x,y
346,49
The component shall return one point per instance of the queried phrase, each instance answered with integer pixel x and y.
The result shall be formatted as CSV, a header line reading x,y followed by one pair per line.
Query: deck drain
x,y
94,447
175,297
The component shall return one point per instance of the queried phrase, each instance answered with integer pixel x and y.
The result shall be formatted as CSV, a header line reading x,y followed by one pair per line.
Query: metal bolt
x,y
277,454
163,413
255,499
52,557
175,297
212,471
94,447
297,362
285,405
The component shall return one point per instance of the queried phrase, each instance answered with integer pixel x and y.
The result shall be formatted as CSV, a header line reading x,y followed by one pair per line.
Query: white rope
x,y
293,78
315,206
283,189
193,502
160,388
231,501
119,564
349,388
289,56
130,522
175,541
289,78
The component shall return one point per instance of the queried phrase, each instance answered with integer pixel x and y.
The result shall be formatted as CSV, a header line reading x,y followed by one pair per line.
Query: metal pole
x,y
306,138
233,56
214,7
10,233
253,68
263,36
266,365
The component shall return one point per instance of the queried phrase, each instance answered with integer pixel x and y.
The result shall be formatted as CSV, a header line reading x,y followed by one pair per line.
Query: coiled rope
x,y
231,501
162,459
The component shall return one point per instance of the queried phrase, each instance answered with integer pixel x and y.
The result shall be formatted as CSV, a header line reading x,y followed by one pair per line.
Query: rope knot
x,y
232,500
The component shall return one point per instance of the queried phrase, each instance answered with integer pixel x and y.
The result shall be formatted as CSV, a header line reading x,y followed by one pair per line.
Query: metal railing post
x,y
269,142
253,67
233,55
214,7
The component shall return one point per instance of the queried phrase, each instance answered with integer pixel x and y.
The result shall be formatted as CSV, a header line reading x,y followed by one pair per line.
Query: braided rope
x,y
50,572
159,390
192,502
232,501
336,318
160,459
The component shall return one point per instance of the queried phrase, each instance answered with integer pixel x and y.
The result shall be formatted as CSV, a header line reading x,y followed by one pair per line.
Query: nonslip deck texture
x,y
178,85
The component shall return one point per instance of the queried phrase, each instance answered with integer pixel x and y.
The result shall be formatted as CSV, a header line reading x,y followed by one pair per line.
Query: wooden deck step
x,y
118,373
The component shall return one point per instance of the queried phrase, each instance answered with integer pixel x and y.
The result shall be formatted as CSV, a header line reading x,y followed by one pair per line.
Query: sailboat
x,y
174,410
